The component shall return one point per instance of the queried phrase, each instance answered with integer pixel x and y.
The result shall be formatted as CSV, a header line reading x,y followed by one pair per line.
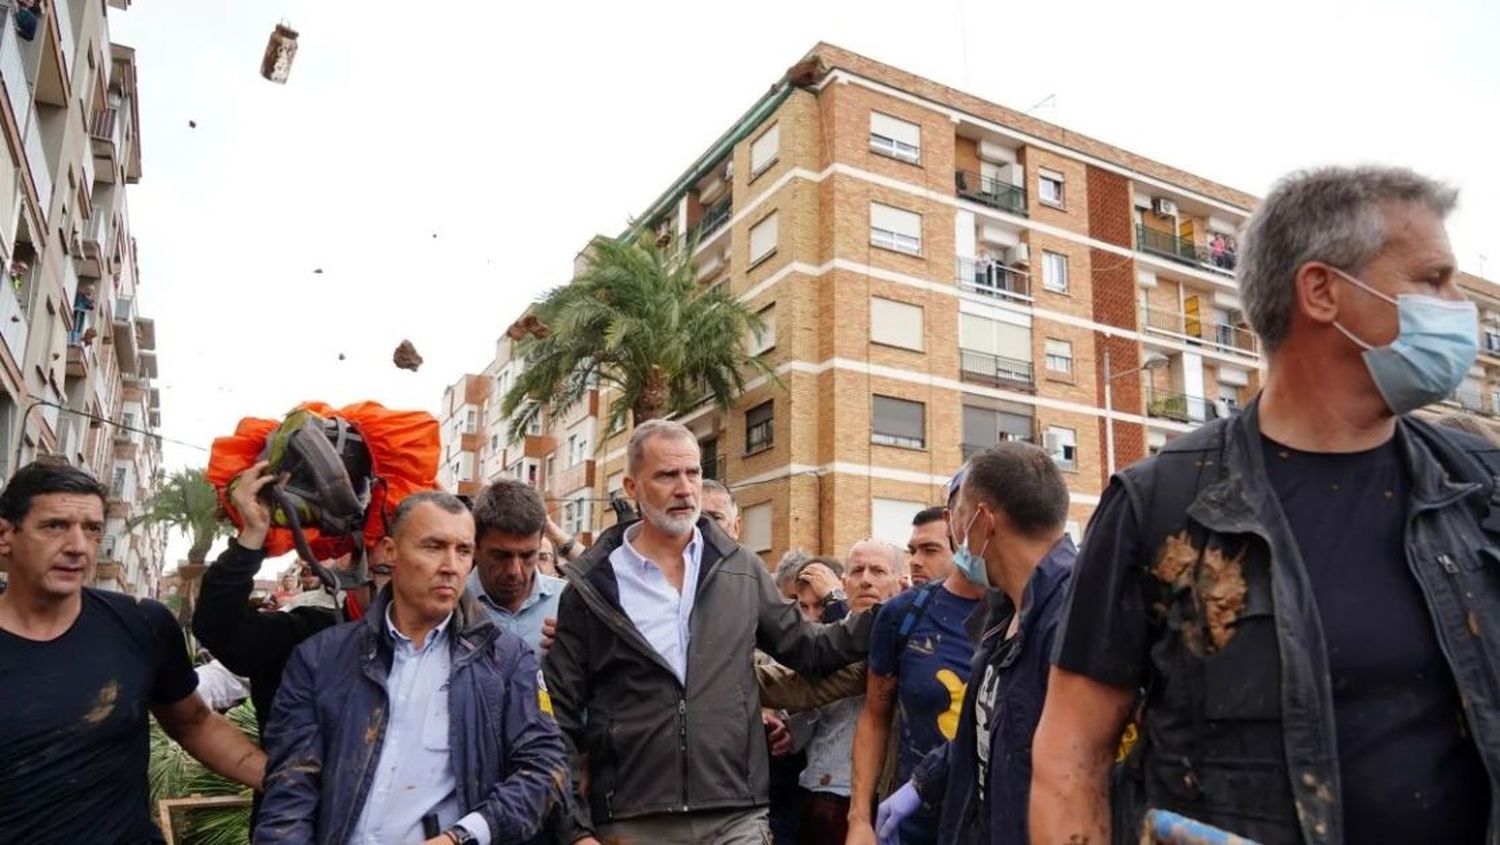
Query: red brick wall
x,y
1109,206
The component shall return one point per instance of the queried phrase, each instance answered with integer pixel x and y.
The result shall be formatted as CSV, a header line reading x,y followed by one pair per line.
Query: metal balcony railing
x,y
989,191
987,367
1222,335
1218,256
1178,406
713,218
992,278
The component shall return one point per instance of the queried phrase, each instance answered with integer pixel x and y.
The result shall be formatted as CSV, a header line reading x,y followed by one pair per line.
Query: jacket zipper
x,y
683,748
1451,568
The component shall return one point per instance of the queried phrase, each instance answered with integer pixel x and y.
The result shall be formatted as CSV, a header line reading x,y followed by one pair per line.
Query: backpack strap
x,y
914,613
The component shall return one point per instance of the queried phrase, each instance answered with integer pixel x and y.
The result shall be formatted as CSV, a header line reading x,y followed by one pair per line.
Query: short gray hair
x,y
636,452
791,565
898,561
1331,214
711,485
446,502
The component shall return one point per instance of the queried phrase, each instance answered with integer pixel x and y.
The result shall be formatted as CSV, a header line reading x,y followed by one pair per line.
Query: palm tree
x,y
635,320
188,503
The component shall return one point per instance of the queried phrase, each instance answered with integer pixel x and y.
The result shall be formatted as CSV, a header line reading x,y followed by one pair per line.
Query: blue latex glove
x,y
895,810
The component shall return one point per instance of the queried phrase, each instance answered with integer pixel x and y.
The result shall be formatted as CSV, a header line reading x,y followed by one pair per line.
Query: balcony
x,y
125,347
1218,257
538,446
1199,332
67,39
104,133
714,219
996,371
13,325
992,278
991,192
1490,341
575,477
13,69
95,245
1178,407
37,165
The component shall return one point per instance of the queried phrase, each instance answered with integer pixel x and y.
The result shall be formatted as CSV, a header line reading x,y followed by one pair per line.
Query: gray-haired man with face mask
x,y
1307,592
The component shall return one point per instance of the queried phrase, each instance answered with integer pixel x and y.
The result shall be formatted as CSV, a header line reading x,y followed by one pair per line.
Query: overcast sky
x,y
515,131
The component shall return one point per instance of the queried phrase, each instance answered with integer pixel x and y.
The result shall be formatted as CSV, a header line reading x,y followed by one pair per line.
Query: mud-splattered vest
x,y
1236,728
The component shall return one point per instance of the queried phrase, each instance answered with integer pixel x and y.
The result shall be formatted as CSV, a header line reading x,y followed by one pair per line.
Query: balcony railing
x,y
1491,343
992,278
13,69
102,126
66,38
989,191
36,163
1178,406
716,216
1219,255
994,369
13,325
1225,337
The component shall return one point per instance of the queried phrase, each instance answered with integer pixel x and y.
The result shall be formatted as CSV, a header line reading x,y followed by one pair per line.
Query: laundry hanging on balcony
x,y
281,48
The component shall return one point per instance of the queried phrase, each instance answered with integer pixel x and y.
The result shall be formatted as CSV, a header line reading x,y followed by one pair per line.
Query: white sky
x,y
515,131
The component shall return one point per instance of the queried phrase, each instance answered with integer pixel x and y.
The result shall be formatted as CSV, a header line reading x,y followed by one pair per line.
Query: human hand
x,y
587,840
549,633
777,734
820,578
244,497
894,810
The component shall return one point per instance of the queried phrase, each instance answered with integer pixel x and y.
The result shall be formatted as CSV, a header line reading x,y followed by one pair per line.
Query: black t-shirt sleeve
x,y
174,677
1103,631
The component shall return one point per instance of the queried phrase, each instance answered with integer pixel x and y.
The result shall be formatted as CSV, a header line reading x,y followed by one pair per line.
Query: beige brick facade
x,y
1130,232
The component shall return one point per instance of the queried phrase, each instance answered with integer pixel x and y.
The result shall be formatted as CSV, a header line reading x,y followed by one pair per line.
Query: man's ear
x,y
1317,295
7,534
388,550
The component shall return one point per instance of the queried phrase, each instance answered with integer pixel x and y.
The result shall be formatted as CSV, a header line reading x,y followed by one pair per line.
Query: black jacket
x,y
654,746
1243,738
250,643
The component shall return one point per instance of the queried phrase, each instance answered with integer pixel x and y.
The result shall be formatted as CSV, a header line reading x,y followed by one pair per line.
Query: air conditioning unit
x,y
1020,254
1052,443
1163,207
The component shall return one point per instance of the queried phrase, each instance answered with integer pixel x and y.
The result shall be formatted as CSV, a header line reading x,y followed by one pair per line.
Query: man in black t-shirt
x,y
1299,603
80,669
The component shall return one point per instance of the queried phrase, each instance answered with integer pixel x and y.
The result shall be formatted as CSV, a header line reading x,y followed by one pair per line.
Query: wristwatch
x,y
566,549
836,594
461,835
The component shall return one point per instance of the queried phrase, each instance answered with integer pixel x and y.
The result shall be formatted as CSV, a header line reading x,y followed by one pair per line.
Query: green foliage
x,y
636,321
173,773
188,503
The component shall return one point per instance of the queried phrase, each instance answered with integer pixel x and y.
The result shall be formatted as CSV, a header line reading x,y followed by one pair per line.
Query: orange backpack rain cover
x,y
404,448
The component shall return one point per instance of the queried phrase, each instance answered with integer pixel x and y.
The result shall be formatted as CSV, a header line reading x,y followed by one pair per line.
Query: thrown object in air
x,y
276,64
406,357
192,124
528,325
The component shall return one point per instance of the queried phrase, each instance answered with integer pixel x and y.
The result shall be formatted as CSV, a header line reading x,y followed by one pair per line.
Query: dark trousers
x,y
825,818
786,798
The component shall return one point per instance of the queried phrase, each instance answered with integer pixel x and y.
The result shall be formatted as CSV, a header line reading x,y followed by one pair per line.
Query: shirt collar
x,y
542,586
437,634
691,551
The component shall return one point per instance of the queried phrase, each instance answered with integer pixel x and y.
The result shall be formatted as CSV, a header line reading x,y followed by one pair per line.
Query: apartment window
x,y
494,442
896,138
1155,442
759,427
755,530
899,422
551,470
984,427
763,239
765,150
534,428
895,228
896,323
764,341
1492,340
890,520
572,450
994,348
1062,445
575,517
1059,356
471,421
1055,272
1049,187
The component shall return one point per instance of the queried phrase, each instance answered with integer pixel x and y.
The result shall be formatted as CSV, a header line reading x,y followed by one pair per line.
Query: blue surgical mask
x,y
1432,352
970,564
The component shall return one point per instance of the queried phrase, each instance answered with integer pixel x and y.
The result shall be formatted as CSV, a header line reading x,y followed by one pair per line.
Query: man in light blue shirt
x,y
510,522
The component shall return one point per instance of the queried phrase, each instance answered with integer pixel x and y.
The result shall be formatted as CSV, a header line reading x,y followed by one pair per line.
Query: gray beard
x,y
666,524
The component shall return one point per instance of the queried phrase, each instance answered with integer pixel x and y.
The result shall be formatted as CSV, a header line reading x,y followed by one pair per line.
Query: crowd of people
x,y
1284,626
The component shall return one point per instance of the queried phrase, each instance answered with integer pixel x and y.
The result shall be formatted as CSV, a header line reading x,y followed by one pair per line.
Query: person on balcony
x,y
28,18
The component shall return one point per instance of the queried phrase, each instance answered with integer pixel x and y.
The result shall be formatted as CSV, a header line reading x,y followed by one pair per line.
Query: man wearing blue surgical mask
x,y
1302,603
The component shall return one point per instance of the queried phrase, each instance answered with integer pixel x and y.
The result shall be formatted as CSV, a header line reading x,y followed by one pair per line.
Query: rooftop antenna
x,y
1050,99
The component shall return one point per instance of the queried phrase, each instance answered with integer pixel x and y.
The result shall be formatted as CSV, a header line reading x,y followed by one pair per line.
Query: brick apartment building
x,y
71,333
937,273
